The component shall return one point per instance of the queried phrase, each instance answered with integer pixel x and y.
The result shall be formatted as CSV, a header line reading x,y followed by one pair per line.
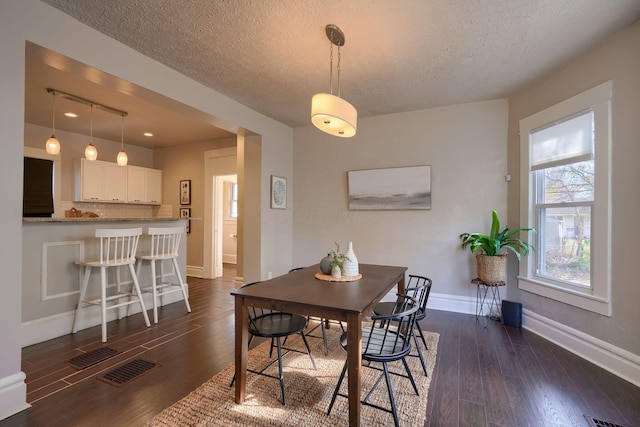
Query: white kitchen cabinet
x,y
97,181
154,186
144,185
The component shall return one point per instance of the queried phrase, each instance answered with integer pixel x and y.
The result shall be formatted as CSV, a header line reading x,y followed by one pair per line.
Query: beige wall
x,y
187,162
618,60
465,145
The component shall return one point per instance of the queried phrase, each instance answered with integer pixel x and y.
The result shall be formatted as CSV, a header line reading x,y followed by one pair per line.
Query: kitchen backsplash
x,y
108,210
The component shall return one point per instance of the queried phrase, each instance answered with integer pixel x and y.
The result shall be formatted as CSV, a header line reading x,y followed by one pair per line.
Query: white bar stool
x,y
165,242
117,249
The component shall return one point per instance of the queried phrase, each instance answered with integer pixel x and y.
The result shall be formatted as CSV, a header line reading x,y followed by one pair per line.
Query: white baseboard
x,y
618,361
13,392
454,303
230,258
46,328
195,271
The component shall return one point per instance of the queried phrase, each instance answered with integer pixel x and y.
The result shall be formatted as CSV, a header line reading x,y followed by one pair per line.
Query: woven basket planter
x,y
491,269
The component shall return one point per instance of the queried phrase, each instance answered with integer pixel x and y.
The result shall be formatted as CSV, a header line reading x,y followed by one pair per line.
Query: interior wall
x,y
186,162
12,386
465,145
616,59
30,21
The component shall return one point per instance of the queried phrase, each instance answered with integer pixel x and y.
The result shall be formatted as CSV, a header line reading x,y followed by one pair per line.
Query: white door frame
x,y
212,244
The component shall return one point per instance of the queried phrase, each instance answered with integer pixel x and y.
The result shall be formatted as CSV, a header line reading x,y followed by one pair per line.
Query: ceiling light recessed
x,y
148,134
72,115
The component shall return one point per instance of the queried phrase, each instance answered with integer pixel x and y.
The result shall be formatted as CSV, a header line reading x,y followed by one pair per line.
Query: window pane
x,y
564,242
568,183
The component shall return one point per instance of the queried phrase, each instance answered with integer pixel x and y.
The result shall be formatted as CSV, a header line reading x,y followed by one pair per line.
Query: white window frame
x,y
597,297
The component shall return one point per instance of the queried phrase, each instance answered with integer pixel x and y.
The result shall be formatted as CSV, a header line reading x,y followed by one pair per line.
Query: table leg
x,y
242,337
354,360
401,285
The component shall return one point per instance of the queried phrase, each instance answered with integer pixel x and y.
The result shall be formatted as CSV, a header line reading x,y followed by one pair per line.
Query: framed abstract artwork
x,y
278,192
405,188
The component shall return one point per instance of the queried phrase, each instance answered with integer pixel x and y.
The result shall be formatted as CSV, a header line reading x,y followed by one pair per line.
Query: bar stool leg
x,y
103,301
83,294
139,293
154,289
182,284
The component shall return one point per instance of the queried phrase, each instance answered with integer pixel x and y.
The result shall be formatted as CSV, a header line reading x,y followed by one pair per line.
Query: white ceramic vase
x,y
335,272
350,266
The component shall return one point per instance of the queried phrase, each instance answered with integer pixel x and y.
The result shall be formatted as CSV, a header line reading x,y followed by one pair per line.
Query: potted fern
x,y
492,257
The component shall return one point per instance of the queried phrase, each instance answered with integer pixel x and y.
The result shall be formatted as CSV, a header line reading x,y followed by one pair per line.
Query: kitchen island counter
x,y
51,277
97,219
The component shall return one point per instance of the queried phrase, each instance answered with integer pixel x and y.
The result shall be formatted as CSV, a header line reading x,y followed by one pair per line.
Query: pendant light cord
x,y
122,136
53,121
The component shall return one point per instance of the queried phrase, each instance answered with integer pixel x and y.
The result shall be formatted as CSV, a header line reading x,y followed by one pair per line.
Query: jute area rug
x,y
307,391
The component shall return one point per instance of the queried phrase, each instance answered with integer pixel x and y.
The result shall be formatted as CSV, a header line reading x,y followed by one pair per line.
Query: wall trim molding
x,y
13,393
195,271
618,361
57,325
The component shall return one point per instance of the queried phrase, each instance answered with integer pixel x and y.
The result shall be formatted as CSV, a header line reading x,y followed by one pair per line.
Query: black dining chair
x,y
321,325
419,288
274,325
385,341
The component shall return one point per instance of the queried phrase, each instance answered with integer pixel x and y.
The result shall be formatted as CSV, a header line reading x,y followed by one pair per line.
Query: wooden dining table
x,y
302,293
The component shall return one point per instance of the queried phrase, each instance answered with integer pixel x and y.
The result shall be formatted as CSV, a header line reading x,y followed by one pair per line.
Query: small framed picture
x,y
278,192
186,213
185,192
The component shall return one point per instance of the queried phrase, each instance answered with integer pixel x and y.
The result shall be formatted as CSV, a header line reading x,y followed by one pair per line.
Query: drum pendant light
x,y
330,113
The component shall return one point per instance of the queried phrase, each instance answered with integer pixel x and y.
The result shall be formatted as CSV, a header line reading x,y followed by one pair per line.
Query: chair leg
x,y
182,284
413,383
391,399
83,294
422,336
324,338
280,368
118,284
154,290
335,392
424,365
138,269
103,301
139,293
313,361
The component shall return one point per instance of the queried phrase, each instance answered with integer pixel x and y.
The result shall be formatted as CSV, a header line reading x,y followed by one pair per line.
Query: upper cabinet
x,y
97,181
144,185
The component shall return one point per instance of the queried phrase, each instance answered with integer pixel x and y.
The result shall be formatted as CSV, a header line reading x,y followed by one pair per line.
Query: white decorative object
x,y
350,265
335,272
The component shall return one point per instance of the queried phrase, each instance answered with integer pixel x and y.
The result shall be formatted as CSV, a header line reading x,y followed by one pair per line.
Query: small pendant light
x,y
90,152
53,145
122,158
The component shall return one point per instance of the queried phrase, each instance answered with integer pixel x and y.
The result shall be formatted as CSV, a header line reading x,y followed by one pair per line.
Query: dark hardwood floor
x,y
494,376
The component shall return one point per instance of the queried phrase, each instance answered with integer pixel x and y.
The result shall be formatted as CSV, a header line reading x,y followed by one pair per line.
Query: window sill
x,y
586,301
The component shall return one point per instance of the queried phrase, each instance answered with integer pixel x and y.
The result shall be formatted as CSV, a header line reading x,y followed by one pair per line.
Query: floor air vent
x,y
92,357
595,422
127,372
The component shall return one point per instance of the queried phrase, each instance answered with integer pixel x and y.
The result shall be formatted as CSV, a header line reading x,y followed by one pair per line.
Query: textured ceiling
x,y
399,55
